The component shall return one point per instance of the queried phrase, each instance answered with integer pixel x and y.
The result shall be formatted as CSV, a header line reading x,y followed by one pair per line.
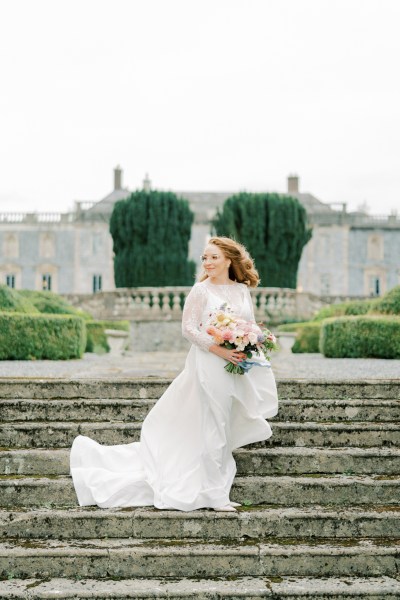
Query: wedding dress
x,y
184,458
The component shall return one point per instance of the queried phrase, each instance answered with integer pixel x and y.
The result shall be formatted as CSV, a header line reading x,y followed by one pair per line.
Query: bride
x,y
184,458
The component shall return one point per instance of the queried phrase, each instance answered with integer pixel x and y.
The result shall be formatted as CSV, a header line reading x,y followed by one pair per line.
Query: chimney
x,y
146,183
117,178
293,184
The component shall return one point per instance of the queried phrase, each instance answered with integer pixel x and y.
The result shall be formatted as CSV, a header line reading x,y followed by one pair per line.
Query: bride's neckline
x,y
221,284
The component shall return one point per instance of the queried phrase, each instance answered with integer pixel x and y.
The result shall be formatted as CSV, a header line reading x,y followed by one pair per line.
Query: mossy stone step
x,y
238,588
124,558
338,490
136,409
38,435
148,388
258,522
258,461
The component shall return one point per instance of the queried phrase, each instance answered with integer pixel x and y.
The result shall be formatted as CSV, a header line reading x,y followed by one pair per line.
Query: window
x,y
374,285
46,282
97,283
10,281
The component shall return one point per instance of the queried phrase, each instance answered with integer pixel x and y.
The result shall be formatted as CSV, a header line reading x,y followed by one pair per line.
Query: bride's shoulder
x,y
199,288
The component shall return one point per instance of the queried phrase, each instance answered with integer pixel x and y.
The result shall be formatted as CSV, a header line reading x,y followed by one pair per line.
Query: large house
x,y
349,254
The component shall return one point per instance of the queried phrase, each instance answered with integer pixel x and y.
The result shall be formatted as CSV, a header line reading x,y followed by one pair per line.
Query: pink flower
x,y
228,335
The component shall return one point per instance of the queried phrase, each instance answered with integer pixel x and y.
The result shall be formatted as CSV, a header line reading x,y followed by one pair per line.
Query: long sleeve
x,y
192,327
251,305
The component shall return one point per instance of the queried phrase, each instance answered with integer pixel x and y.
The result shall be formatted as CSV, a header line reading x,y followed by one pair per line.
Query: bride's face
x,y
214,261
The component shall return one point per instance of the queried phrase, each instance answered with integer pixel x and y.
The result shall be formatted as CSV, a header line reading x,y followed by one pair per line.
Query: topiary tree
x,y
151,232
273,228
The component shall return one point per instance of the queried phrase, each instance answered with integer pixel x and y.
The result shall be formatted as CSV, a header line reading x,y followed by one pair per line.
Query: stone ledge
x,y
149,387
348,588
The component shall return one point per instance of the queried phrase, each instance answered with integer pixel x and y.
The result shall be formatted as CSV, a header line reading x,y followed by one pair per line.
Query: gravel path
x,y
163,364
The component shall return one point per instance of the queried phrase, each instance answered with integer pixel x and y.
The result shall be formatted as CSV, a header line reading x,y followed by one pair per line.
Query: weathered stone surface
x,y
293,588
61,434
259,461
29,388
14,388
136,409
123,558
285,490
120,409
149,523
315,497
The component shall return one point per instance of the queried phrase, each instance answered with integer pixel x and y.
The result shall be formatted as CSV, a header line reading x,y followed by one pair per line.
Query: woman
x,y
184,458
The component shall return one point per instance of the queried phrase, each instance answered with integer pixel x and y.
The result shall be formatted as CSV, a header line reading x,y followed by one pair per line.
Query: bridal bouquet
x,y
246,336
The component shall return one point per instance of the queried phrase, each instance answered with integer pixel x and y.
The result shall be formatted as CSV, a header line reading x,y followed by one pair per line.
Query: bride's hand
x,y
232,355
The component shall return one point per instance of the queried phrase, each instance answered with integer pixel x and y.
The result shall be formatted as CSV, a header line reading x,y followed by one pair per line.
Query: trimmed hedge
x,y
12,301
369,336
294,326
390,303
51,303
96,337
353,307
307,339
36,336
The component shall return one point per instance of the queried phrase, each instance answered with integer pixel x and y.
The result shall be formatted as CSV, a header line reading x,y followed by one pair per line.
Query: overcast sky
x,y
202,94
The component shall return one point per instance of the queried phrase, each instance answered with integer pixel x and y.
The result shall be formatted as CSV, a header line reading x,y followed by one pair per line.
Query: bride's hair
x,y
242,267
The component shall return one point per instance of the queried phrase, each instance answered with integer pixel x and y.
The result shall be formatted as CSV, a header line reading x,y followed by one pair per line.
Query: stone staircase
x,y
321,500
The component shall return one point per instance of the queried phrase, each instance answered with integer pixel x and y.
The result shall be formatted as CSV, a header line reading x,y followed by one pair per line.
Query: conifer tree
x,y
274,229
151,232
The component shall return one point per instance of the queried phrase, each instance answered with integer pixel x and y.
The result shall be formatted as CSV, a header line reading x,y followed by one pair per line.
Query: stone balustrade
x,y
166,303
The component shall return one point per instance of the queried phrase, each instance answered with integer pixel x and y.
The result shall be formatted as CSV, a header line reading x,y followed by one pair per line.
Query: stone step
x,y
293,588
335,490
256,522
136,410
147,388
259,461
126,558
371,588
56,434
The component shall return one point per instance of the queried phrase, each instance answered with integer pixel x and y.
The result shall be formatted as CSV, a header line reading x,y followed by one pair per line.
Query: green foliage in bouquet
x,y
274,229
36,336
96,336
13,301
369,336
389,303
51,303
307,339
151,232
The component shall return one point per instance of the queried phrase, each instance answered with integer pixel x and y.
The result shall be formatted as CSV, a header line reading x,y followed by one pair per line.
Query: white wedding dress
x,y
184,458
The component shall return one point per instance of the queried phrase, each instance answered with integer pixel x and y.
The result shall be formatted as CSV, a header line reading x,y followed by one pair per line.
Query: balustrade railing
x,y
166,303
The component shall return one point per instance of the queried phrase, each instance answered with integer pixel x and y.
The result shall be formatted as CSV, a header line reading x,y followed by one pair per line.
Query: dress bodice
x,y
205,298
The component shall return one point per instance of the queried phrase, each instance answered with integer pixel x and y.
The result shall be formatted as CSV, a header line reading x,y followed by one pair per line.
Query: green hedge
x,y
12,301
96,337
353,307
390,302
307,339
361,337
36,336
293,326
51,303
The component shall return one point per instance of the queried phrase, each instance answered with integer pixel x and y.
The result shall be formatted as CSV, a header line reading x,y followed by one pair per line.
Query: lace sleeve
x,y
192,327
250,301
